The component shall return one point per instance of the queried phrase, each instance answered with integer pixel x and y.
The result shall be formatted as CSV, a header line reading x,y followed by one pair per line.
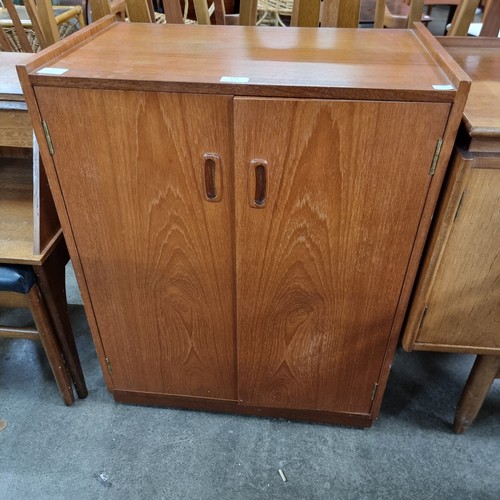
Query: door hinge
x,y
108,365
47,137
459,206
435,159
424,314
374,392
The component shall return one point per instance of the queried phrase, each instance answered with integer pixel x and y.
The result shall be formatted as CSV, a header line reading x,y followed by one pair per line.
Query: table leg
x,y
484,371
51,279
47,335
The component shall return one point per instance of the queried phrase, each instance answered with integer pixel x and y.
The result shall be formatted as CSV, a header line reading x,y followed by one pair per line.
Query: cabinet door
x,y
329,195
152,218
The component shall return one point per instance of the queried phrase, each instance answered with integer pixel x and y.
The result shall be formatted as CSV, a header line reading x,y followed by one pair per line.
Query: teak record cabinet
x,y
246,207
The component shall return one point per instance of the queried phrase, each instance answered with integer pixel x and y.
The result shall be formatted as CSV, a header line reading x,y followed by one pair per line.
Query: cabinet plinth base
x,y
227,406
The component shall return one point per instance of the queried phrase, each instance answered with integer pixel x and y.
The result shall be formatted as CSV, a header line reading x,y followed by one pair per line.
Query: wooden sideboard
x,y
456,305
246,224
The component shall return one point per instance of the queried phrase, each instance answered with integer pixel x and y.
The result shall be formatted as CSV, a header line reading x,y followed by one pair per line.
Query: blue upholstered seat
x,y
15,278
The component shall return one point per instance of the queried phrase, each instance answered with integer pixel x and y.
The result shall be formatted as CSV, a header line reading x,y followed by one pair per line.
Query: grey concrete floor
x,y
50,451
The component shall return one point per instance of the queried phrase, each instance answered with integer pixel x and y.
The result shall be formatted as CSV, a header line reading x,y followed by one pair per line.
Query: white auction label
x,y
51,71
443,87
234,79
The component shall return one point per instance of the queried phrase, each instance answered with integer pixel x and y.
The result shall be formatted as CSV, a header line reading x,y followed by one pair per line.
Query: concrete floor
x,y
101,449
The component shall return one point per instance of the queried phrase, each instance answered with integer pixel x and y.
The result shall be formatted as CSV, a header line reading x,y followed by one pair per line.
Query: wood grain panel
x,y
463,308
157,258
16,210
15,125
320,269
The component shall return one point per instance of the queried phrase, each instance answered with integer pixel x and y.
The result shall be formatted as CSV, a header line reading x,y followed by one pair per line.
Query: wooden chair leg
x,y
50,344
483,373
51,279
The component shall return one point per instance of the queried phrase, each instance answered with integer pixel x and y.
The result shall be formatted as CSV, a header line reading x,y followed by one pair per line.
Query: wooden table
x,y
456,306
30,233
15,124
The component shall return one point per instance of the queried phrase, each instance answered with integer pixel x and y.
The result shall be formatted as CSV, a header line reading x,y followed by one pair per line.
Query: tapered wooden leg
x,y
50,344
484,371
51,279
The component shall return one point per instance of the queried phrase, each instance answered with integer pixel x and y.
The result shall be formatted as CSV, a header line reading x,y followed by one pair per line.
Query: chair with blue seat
x,y
21,279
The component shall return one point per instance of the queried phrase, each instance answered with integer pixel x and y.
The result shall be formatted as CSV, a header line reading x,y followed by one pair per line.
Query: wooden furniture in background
x,y
485,370
404,18
490,25
101,8
464,16
272,11
346,13
245,219
141,11
22,280
429,4
15,22
39,19
30,233
137,11
15,123
456,305
491,19
217,10
328,13
204,11
304,13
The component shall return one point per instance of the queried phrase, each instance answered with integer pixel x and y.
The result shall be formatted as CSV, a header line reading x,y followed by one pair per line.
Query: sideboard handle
x,y
212,172
258,183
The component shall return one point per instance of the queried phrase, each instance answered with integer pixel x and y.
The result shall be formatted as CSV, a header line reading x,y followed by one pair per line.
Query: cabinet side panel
x,y
46,221
156,254
321,266
463,307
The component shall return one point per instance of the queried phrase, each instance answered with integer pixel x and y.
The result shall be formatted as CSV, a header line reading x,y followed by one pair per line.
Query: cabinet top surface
x,y
9,82
480,58
235,59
